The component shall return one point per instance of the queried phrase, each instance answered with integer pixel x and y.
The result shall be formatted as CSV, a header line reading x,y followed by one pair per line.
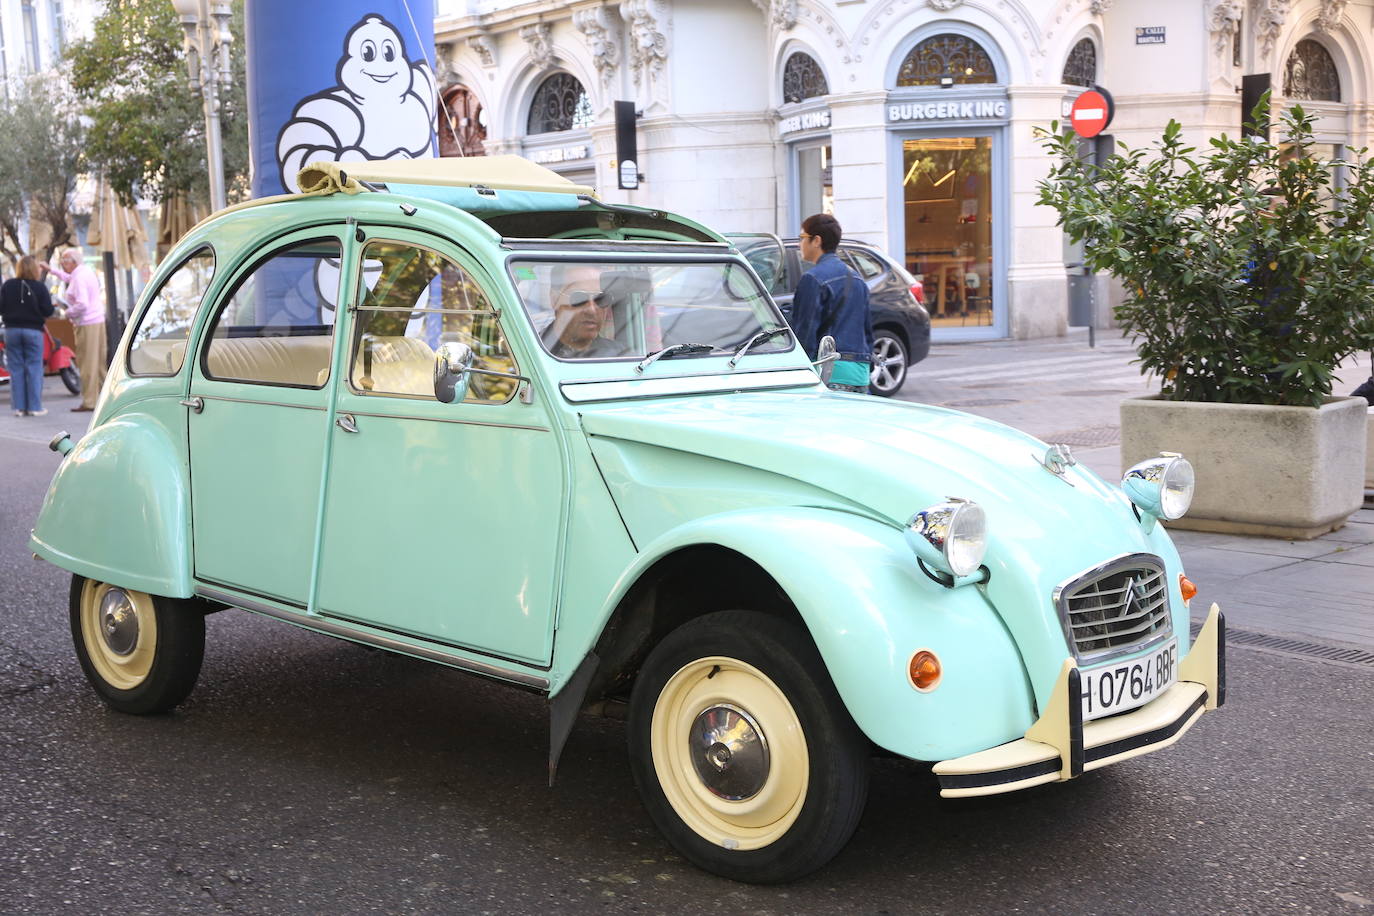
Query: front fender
x,y
117,509
869,608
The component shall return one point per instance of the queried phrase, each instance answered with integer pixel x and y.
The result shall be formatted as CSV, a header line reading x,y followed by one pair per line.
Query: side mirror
x,y
452,362
826,354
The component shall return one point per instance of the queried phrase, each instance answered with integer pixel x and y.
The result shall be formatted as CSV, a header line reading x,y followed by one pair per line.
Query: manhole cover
x,y
981,402
1088,436
1093,393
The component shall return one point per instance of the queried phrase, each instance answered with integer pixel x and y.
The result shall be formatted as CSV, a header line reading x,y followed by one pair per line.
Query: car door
x,y
257,421
441,521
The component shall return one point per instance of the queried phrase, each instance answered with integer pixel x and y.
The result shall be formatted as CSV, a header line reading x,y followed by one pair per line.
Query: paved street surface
x,y
308,775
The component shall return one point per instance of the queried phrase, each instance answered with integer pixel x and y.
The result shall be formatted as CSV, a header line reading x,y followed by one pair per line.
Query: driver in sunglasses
x,y
580,309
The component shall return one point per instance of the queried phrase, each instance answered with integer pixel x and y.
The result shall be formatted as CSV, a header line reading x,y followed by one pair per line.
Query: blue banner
x,y
337,81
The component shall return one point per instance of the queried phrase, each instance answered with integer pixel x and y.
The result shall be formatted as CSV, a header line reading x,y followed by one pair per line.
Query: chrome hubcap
x,y
729,752
118,622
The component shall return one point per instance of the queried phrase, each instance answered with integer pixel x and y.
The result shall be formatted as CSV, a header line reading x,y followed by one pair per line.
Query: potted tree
x,y
1248,274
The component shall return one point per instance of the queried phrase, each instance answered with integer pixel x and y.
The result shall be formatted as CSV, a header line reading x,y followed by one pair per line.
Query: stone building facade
x,y
913,120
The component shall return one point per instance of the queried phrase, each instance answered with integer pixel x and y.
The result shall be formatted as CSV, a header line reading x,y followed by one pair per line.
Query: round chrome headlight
x,y
1161,486
951,536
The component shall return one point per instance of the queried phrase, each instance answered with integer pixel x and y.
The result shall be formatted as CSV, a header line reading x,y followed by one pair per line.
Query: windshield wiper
x,y
674,350
760,337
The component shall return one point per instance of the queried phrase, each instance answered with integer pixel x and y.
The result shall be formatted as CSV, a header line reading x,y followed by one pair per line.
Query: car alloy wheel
x,y
887,369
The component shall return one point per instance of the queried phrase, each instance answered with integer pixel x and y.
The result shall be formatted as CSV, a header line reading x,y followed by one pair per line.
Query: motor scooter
x,y
58,359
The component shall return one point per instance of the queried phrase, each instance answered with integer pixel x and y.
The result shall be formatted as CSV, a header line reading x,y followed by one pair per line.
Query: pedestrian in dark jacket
x,y
832,300
24,306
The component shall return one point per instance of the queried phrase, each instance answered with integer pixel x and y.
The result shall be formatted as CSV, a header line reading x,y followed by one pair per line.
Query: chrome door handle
x,y
196,404
346,423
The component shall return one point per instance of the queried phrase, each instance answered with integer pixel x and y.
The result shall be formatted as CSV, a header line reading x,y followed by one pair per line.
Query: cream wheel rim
x,y
729,753
119,628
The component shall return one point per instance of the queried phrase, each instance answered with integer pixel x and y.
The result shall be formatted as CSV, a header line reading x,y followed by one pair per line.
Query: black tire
x,y
71,378
757,825
889,364
145,661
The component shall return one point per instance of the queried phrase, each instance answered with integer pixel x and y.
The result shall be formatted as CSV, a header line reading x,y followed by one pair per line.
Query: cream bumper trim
x,y
1060,746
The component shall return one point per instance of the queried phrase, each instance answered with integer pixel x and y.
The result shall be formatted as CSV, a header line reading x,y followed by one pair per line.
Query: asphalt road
x,y
309,775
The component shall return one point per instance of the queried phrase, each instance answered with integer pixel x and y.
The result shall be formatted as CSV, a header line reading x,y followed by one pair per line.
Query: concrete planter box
x,y
1291,472
1369,454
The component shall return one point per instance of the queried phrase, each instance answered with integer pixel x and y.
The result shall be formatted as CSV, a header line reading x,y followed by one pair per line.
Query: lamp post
x,y
207,41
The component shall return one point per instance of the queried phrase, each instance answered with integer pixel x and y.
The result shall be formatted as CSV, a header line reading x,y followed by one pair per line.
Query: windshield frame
x,y
654,254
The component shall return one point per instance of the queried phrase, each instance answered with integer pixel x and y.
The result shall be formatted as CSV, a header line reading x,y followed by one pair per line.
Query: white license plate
x,y
1126,685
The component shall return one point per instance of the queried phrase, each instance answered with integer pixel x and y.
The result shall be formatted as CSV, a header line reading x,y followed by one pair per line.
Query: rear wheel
x,y
744,755
142,653
887,369
71,378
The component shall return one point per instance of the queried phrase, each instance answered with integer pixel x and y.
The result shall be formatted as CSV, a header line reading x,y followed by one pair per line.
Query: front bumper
x,y
1060,746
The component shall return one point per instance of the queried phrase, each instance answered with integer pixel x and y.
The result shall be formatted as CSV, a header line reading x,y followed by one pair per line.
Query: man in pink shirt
x,y
86,311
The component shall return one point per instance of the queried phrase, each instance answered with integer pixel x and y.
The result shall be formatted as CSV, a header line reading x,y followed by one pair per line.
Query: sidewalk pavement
x,y
1061,390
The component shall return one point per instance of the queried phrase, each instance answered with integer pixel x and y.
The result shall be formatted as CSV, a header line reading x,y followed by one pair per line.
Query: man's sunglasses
x,y
580,297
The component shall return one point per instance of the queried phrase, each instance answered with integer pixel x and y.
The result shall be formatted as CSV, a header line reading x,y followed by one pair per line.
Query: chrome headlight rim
x,y
1162,486
950,536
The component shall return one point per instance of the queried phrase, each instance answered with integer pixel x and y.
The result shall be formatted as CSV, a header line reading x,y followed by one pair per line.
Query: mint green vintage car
x,y
464,411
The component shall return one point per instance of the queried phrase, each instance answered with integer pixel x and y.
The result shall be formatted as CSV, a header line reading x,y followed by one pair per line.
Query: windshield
x,y
618,310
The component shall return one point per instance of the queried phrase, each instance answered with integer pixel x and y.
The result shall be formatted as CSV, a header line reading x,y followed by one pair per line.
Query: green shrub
x,y
1249,271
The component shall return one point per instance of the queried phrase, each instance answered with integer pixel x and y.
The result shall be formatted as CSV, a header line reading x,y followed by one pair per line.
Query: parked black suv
x,y
901,325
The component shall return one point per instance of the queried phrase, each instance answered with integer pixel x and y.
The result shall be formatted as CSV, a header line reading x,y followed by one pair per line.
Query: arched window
x,y
946,56
802,79
1311,73
1081,67
463,130
560,103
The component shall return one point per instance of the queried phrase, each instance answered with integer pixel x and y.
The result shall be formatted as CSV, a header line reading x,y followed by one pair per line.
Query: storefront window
x,y
815,190
946,57
948,202
802,79
1311,74
1081,67
560,103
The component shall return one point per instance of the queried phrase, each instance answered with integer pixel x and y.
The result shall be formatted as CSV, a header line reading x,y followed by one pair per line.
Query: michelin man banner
x,y
338,81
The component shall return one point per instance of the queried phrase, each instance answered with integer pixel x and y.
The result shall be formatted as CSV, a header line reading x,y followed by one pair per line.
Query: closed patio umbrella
x,y
175,218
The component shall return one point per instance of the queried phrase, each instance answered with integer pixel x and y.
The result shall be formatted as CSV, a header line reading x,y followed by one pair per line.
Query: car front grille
x,y
1115,608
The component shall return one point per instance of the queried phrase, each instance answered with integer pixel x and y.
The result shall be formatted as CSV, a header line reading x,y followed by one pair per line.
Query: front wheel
x,y
887,368
71,378
742,751
141,653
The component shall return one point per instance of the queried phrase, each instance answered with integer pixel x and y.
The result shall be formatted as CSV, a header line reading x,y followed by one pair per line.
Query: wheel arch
x,y
852,584
132,470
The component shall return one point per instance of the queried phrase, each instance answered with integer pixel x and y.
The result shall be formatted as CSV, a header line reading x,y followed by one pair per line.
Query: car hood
x,y
891,457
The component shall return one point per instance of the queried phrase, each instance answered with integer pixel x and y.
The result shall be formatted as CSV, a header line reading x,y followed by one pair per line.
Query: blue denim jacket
x,y
832,299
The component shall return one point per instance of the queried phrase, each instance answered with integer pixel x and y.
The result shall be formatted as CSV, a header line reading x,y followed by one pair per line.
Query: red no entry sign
x,y
1091,112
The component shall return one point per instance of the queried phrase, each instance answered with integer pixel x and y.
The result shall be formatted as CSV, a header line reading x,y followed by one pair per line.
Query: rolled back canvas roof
x,y
502,172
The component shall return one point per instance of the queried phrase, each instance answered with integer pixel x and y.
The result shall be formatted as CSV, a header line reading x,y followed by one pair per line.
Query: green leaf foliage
x,y
1249,270
147,124
41,140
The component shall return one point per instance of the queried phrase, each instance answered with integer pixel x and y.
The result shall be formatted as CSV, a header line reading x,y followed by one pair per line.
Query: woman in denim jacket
x,y
832,300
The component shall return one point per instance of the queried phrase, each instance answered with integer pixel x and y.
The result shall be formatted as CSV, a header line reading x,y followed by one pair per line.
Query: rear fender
x,y
869,608
118,508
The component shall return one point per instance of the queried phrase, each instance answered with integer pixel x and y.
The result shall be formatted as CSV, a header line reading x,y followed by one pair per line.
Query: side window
x,y
277,326
867,265
413,300
158,346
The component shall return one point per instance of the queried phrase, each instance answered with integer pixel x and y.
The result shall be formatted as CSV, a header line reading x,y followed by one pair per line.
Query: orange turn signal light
x,y
924,670
1186,586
